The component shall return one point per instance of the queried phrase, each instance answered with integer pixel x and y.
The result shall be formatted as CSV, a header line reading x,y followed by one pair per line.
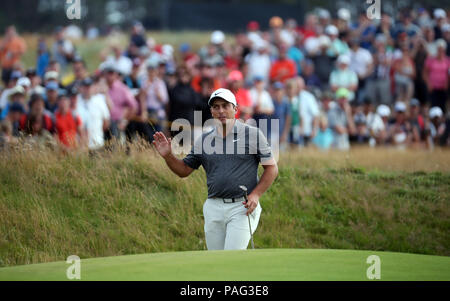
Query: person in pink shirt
x,y
436,74
124,105
245,106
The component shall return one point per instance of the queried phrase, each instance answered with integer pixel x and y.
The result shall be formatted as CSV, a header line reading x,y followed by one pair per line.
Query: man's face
x,y
342,101
37,108
223,110
78,70
52,94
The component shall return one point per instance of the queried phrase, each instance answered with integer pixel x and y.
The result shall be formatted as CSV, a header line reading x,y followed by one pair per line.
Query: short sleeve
x,y
194,158
264,152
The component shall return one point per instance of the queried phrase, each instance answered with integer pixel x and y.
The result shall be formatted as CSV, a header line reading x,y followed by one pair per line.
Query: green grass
x,y
258,265
52,206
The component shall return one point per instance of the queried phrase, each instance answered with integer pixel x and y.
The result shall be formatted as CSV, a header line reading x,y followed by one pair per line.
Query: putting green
x,y
265,264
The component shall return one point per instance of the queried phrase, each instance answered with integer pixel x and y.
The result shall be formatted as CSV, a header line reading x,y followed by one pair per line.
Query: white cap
x,y
331,30
400,106
383,111
435,112
344,14
167,50
16,90
312,45
446,27
24,81
343,59
224,94
324,41
51,75
217,37
441,43
439,13
323,13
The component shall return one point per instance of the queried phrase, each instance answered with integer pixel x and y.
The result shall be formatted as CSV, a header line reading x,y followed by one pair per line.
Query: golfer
x,y
230,153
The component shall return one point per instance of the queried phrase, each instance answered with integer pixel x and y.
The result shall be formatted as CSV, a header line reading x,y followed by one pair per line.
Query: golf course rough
x,y
253,265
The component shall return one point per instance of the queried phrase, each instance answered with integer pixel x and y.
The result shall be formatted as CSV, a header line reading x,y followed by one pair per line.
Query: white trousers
x,y
226,225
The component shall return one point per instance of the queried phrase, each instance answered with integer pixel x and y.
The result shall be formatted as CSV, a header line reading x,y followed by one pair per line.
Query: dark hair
x,y
34,98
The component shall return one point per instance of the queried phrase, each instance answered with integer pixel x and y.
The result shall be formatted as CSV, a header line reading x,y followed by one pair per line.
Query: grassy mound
x,y
53,206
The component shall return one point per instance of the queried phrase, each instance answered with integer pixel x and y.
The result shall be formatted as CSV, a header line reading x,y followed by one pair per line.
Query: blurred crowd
x,y
334,81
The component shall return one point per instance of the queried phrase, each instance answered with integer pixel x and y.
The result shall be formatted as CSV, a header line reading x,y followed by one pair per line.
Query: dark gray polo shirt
x,y
230,161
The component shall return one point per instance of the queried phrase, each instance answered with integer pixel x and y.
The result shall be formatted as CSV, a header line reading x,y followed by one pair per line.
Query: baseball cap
x,y
344,14
87,81
253,25
185,47
446,27
342,93
441,43
331,30
224,94
278,85
439,13
383,111
400,107
72,91
52,86
435,112
16,90
16,107
343,59
235,75
414,102
108,66
16,74
217,37
24,82
258,78
51,75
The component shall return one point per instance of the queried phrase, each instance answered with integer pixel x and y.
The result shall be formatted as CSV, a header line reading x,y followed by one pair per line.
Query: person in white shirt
x,y
122,63
361,61
261,99
309,113
258,62
94,114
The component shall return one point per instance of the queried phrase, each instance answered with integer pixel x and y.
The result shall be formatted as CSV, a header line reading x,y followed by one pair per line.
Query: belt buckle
x,y
233,200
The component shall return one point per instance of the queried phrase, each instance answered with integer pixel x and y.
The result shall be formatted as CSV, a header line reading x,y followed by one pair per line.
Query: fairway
x,y
250,265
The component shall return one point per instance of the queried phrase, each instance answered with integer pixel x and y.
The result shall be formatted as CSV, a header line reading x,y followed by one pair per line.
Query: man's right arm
x,y
178,166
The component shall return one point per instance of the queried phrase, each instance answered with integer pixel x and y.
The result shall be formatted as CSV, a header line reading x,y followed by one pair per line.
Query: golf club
x,y
244,188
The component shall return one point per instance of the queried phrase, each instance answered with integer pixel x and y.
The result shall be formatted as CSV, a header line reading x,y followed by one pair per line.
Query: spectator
x,y
155,91
378,125
292,94
340,120
51,97
379,87
183,99
311,79
337,46
436,74
35,82
282,112
404,75
207,88
124,105
258,62
309,113
361,62
43,57
399,130
344,77
437,126
15,113
235,82
16,95
63,49
417,121
12,47
67,124
261,100
283,68
324,138
94,114
37,121
79,74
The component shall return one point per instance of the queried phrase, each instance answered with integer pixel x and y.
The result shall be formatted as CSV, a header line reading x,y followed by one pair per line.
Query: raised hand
x,y
162,144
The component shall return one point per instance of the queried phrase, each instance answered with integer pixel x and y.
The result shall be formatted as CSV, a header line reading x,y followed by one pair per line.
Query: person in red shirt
x,y
283,68
12,47
245,106
36,121
67,123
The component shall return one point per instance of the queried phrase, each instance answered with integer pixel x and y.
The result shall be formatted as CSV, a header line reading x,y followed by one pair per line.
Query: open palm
x,y
162,144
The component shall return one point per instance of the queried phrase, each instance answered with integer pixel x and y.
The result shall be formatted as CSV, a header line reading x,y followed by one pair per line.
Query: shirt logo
x,y
236,140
